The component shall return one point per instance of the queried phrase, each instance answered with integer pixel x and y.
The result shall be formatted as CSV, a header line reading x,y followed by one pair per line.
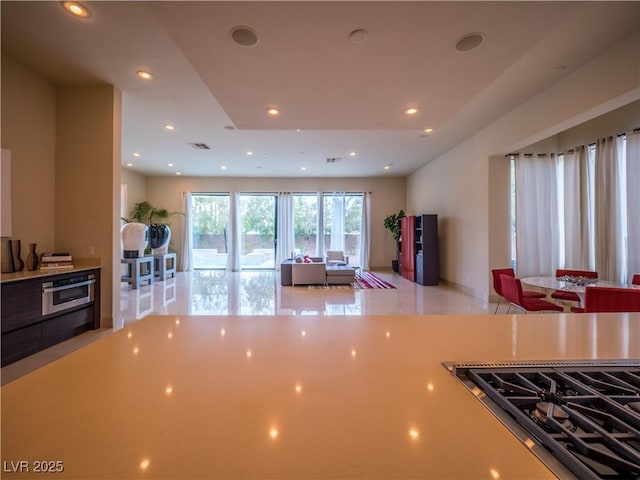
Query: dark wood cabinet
x,y
427,250
25,330
419,251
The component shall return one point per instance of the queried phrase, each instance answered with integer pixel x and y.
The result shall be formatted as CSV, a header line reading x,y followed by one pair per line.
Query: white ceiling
x,y
342,96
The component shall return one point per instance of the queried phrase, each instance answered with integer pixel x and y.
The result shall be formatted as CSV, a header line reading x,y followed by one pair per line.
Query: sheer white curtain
x,y
338,218
536,215
633,203
577,210
365,231
610,226
234,246
285,234
187,234
320,227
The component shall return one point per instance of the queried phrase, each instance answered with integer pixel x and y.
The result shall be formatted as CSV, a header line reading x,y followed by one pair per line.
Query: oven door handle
x,y
67,287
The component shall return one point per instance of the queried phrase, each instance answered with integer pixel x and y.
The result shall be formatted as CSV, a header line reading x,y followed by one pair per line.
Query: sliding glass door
x,y
342,220
211,234
257,231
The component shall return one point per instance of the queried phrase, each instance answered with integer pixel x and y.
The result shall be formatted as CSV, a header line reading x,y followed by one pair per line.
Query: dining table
x,y
558,283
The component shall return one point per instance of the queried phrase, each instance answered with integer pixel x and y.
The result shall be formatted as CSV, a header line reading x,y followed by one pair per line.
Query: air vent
x,y
334,159
200,146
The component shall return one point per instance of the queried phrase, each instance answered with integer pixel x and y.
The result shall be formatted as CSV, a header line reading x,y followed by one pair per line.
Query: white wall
x,y
460,185
388,196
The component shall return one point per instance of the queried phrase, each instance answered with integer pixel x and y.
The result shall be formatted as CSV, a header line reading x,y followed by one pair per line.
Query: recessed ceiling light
x,y
469,42
303,168
411,111
249,152
387,167
169,164
353,154
129,164
428,130
359,35
223,167
178,173
273,111
297,129
136,154
76,9
168,126
144,74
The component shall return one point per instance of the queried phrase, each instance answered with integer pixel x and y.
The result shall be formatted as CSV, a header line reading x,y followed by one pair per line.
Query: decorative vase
x,y
7,256
32,258
159,236
18,263
134,239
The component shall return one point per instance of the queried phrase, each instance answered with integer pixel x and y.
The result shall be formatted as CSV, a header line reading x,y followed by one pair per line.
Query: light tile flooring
x,y
213,292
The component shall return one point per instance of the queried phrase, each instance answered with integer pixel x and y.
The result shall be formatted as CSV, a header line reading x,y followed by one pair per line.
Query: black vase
x,y
158,234
18,263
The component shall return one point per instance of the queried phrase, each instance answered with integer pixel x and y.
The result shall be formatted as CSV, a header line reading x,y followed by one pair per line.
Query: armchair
x,y
337,257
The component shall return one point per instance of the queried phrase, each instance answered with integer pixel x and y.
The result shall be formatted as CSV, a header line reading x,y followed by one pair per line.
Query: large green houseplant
x,y
392,223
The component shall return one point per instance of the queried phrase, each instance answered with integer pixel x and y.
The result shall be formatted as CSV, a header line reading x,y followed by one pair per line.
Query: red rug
x,y
370,280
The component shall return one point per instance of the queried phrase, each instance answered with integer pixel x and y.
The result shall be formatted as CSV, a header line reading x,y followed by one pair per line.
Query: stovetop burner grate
x,y
585,413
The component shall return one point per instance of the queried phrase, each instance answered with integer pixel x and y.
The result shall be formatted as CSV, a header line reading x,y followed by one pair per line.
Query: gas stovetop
x,y
581,417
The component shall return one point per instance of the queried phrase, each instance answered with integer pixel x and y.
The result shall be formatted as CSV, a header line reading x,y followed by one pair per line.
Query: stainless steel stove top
x,y
581,418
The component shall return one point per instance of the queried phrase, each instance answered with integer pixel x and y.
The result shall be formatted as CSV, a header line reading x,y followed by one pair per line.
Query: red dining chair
x,y
512,291
608,299
497,285
636,279
571,296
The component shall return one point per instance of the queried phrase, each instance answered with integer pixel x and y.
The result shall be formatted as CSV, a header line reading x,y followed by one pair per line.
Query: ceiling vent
x,y
334,159
200,146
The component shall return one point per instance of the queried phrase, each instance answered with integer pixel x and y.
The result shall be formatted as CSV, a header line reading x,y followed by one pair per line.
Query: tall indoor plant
x,y
392,223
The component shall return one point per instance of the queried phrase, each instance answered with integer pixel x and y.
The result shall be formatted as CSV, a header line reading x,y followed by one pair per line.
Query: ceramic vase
x,y
32,258
159,236
7,256
134,239
18,263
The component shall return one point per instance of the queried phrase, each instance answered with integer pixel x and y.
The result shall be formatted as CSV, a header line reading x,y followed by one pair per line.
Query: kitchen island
x,y
290,397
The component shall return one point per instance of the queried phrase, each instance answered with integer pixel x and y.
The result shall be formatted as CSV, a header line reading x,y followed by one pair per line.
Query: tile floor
x,y
214,292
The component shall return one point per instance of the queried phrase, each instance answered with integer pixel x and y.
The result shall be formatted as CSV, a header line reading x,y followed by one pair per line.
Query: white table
x,y
553,283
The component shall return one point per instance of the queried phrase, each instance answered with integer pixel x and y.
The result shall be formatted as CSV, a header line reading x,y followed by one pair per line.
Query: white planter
x,y
134,239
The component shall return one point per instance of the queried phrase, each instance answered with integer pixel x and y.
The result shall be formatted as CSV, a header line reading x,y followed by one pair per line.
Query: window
x,y
210,217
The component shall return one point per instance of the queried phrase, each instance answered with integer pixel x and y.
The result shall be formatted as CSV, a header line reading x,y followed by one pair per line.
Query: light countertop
x,y
79,265
336,397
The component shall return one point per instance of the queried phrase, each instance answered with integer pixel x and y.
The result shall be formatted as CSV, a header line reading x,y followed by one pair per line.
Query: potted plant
x,y
392,223
159,232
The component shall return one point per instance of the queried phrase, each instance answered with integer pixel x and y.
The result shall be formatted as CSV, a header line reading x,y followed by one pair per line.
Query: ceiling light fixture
x,y
428,130
76,9
169,127
144,74
358,36
249,152
353,154
136,154
223,167
387,167
129,164
303,168
169,164
411,111
178,173
274,112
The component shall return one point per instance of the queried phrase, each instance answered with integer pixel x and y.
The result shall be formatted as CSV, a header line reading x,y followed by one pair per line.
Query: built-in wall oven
x,y
67,293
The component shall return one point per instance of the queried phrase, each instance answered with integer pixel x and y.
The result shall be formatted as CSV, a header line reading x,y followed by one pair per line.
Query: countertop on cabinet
x,y
291,396
79,265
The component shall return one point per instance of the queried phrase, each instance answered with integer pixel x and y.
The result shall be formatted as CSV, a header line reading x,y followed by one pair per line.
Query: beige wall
x,y
135,185
387,196
87,168
65,146
29,132
465,183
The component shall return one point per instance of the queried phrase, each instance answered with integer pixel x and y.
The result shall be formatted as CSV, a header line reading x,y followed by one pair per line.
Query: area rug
x,y
370,280
363,281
